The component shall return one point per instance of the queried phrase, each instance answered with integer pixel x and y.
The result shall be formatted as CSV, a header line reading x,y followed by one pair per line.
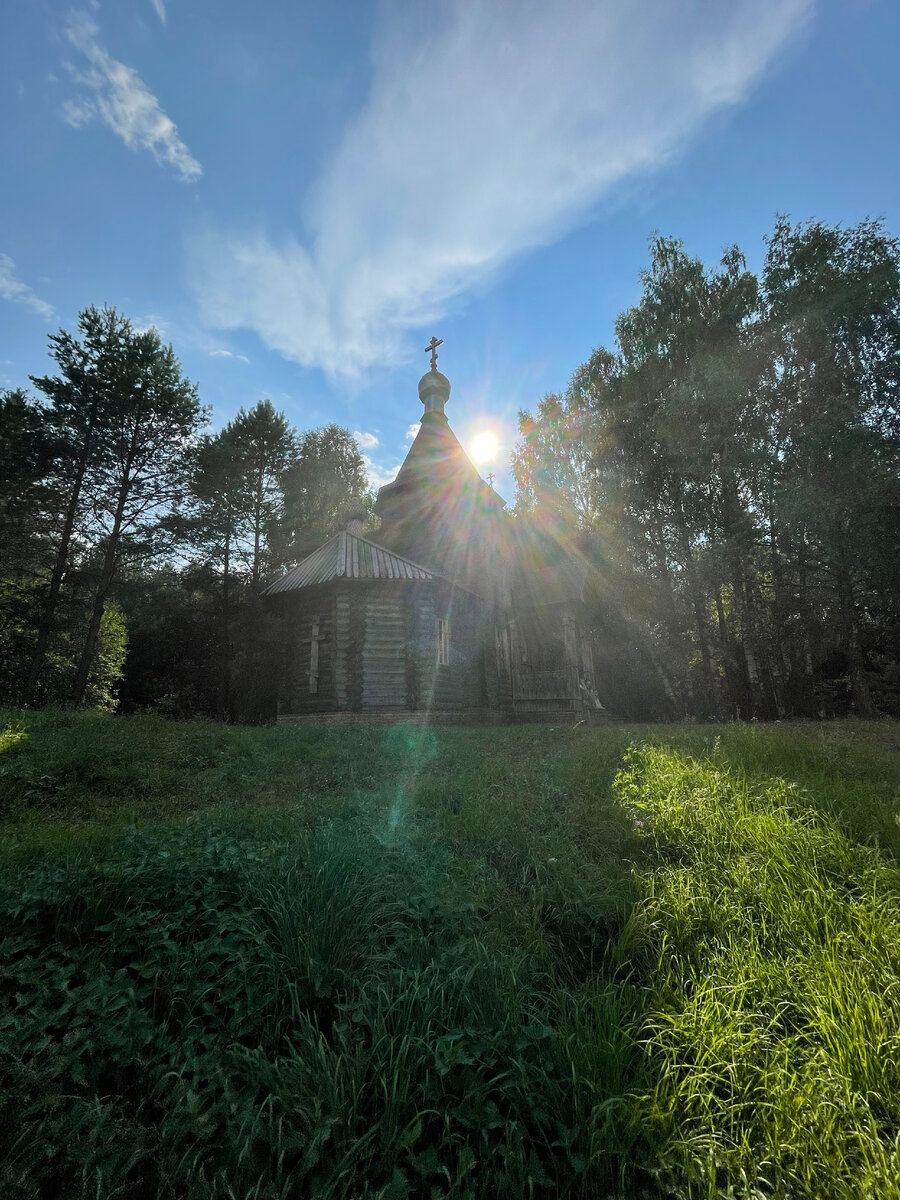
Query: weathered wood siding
x,y
343,646
384,648
315,605
498,663
460,683
386,651
548,661
377,649
420,650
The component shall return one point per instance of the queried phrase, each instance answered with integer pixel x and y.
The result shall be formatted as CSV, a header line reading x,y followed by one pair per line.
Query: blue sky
x,y
300,194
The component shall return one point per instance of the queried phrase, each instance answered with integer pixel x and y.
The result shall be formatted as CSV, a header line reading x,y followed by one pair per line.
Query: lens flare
x,y
485,446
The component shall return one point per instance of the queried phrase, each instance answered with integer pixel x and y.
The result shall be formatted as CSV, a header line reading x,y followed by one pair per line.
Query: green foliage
x,y
771,944
103,460
11,736
733,469
19,613
27,452
106,670
111,503
448,962
264,445
323,486
173,638
245,1005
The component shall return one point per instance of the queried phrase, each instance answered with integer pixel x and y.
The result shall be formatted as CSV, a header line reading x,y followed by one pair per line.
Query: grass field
x,y
272,963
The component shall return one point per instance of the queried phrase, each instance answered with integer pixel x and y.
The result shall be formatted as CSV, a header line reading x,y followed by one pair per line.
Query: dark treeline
x,y
134,544
732,469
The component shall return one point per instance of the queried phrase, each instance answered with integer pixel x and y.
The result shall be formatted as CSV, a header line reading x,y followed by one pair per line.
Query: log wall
x,y
384,683
312,609
377,651
460,683
387,651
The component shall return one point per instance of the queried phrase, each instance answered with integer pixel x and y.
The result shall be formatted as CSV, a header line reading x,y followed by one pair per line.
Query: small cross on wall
x,y
432,349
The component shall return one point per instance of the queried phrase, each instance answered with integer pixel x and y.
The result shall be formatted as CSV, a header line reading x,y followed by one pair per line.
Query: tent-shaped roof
x,y
348,556
438,465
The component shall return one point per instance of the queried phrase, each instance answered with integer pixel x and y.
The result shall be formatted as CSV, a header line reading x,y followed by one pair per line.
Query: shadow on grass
x,y
452,963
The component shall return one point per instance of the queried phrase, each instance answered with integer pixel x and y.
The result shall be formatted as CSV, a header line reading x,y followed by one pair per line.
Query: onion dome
x,y
434,391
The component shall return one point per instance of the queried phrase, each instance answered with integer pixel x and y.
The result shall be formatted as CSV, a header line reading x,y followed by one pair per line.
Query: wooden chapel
x,y
450,615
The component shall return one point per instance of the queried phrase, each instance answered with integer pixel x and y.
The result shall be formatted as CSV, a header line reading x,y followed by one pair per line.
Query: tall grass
x,y
234,1011
771,947
455,963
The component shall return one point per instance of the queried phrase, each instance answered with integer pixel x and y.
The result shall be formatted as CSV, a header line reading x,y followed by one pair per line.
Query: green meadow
x,y
392,962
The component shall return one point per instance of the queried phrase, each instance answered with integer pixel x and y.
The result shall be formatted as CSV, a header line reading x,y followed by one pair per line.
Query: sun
x,y
485,446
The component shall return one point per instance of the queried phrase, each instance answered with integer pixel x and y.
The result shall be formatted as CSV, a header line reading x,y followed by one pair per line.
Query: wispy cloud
x,y
412,431
117,96
379,476
145,321
12,288
489,129
229,354
160,9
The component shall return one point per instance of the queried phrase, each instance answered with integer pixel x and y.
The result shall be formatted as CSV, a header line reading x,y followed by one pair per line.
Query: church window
x,y
442,639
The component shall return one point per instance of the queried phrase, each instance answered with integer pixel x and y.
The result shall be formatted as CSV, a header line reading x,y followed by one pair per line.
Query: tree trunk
x,y
779,610
733,517
747,643
809,634
699,607
45,627
224,698
728,658
257,531
862,697
671,616
89,649
678,709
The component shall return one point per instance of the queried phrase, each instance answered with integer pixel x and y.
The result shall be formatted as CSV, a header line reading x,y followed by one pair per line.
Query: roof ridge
x,y
403,557
343,568
412,562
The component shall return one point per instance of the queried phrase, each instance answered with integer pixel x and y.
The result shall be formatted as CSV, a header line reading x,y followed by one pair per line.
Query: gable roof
x,y
348,556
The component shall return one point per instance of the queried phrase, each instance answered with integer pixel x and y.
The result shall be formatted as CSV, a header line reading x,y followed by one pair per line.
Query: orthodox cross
x,y
490,478
432,347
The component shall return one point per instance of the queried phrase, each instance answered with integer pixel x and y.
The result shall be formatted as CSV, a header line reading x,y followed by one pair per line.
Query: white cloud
x,y
117,96
365,441
160,9
379,476
489,129
412,431
12,288
229,354
147,321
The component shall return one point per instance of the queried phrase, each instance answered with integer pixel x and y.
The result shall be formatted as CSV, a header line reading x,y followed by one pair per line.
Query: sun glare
x,y
485,446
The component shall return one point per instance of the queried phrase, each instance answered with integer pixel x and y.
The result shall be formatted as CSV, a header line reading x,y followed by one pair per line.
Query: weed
x,y
449,963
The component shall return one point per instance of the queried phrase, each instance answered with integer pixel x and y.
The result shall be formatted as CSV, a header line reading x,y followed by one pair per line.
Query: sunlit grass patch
x,y
448,962
13,735
771,946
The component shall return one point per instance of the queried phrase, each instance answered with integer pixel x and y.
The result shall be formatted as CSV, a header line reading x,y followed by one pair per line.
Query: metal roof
x,y
348,556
